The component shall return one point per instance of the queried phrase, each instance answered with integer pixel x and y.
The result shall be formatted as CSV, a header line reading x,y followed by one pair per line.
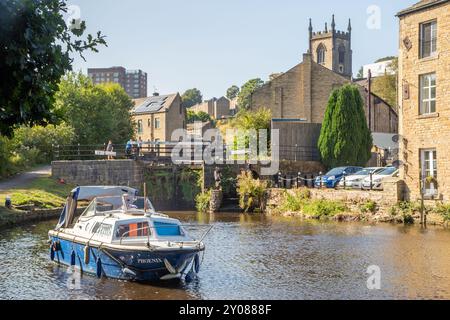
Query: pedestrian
x,y
109,149
128,148
139,147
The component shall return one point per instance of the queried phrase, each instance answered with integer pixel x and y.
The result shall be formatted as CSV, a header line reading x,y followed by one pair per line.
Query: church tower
x,y
332,48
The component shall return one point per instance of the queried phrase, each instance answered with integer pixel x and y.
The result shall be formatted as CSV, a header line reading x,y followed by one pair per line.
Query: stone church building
x,y
298,97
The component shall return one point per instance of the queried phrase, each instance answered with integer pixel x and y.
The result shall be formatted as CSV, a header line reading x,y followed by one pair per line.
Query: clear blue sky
x,y
212,44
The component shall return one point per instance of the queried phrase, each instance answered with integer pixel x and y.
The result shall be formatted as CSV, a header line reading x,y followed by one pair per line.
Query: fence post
x,y
345,181
298,179
280,182
320,177
78,152
371,181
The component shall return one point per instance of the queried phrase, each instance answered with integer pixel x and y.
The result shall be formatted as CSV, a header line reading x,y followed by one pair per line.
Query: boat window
x,y
167,229
102,229
90,210
133,230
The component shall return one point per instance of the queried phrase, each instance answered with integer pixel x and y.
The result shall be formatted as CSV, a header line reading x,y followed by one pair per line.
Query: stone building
x,y
424,98
216,108
300,95
157,117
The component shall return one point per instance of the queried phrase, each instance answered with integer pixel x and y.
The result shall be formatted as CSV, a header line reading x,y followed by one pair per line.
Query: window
x,y
428,93
157,123
102,229
341,54
429,171
133,230
140,127
321,54
428,39
149,123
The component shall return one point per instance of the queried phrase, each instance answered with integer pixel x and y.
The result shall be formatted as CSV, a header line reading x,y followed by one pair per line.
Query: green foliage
x,y
345,138
386,86
369,207
244,97
233,92
191,97
300,201
323,209
360,73
444,211
294,202
200,116
190,183
37,48
251,192
6,167
97,113
202,201
42,139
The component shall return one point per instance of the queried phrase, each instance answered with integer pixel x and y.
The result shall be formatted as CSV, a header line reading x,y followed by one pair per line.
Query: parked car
x,y
356,180
377,180
332,178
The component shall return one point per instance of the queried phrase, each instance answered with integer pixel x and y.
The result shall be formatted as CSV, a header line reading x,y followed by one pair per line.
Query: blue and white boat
x,y
121,236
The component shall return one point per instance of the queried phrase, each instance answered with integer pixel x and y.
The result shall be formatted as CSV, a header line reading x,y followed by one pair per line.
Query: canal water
x,y
255,257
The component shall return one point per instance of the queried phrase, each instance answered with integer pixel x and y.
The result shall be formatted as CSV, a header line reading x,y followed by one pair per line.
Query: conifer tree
x,y
345,139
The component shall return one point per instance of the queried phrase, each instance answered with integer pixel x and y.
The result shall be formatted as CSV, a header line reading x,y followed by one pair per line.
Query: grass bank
x,y
42,193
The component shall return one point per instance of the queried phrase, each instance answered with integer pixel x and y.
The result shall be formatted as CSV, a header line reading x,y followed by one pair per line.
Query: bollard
x,y
280,182
320,179
8,203
298,179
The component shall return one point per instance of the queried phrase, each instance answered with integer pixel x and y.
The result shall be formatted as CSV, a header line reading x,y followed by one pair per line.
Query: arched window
x,y
341,54
321,50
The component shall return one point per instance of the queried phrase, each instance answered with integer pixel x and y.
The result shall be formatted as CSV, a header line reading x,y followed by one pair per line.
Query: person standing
x,y
139,147
110,148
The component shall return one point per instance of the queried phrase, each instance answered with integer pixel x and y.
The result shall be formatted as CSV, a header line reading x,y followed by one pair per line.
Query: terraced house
x,y
424,98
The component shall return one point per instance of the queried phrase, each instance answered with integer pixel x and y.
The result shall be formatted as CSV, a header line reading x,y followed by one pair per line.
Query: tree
x,y
36,46
244,98
360,73
233,92
200,116
191,97
97,113
386,86
42,140
345,138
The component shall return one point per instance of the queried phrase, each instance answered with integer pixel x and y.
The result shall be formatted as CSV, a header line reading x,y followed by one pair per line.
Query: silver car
x,y
377,180
355,180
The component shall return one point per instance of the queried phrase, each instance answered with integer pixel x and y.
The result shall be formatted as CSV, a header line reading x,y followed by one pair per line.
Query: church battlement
x,y
332,48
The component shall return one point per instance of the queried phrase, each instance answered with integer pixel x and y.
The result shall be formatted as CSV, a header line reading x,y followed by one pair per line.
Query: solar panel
x,y
152,104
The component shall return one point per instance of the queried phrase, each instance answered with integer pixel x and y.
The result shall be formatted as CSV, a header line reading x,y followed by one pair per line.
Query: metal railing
x,y
299,153
181,243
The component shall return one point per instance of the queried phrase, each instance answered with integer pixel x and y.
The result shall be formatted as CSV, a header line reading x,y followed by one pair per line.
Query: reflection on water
x,y
255,257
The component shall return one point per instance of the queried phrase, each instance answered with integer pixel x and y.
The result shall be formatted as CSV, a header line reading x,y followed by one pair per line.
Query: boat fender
x,y
86,255
197,263
52,252
59,248
72,258
128,272
189,276
99,268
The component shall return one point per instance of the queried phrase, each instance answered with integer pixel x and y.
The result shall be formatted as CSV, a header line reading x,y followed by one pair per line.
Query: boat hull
x,y
124,264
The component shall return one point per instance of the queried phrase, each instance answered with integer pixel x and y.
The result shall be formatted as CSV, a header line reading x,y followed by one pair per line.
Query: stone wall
x,y
391,195
100,172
